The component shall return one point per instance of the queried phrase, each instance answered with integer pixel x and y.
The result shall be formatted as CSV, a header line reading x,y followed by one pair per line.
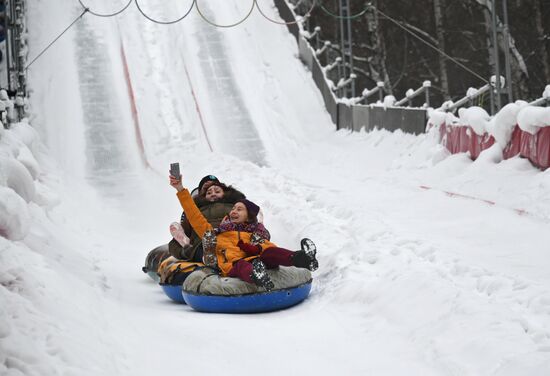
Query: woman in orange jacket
x,y
240,243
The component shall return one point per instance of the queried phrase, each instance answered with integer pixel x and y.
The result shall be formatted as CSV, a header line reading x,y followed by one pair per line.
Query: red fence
x,y
536,148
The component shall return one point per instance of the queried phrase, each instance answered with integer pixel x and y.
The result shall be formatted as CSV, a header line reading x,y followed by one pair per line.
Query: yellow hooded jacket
x,y
227,250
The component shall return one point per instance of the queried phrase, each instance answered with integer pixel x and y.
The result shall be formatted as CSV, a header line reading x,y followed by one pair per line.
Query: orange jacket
x,y
170,267
227,250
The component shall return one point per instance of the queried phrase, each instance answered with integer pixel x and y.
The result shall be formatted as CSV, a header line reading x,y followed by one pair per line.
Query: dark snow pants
x,y
271,257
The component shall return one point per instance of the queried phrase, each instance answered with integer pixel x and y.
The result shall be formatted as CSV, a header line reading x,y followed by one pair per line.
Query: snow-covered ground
x,y
412,281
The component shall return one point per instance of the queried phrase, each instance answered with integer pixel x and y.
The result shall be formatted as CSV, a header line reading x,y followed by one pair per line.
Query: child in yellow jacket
x,y
240,243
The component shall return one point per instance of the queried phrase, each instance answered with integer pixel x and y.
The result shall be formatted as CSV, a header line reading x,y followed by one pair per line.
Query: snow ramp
x,y
442,285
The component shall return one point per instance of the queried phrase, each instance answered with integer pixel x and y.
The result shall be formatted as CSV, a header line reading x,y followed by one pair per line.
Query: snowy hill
x,y
412,281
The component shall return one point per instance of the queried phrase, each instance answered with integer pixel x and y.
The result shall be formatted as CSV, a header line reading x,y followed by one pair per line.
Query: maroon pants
x,y
271,257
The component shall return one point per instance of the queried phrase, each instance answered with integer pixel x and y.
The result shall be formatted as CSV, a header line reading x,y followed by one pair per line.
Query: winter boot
x,y
209,249
177,233
305,258
259,275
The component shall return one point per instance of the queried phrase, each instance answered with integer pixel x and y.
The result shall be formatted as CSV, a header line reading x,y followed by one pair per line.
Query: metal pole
x,y
317,38
427,96
22,71
492,100
506,34
344,69
495,52
350,48
9,42
7,19
19,58
346,46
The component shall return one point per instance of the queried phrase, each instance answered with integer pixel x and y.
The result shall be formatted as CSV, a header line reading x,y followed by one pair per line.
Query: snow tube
x,y
206,291
173,292
249,303
172,273
154,276
154,259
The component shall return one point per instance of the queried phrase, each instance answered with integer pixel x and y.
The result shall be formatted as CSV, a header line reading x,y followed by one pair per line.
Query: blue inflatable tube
x,y
173,292
249,303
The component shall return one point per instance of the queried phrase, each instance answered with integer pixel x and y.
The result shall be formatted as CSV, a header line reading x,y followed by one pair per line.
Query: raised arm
x,y
194,215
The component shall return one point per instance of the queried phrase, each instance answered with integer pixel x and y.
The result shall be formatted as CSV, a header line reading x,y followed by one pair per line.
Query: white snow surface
x,y
476,117
531,118
503,123
412,281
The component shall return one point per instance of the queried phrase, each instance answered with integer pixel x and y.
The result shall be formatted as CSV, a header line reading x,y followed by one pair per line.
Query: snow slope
x,y
412,281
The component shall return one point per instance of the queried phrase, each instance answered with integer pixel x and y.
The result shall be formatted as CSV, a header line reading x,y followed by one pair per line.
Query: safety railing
x,y
343,82
471,95
367,93
411,94
315,36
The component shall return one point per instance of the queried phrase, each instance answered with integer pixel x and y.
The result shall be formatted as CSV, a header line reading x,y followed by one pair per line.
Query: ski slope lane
x,y
405,274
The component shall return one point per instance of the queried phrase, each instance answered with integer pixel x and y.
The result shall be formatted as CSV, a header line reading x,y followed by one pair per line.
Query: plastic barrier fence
x,y
535,147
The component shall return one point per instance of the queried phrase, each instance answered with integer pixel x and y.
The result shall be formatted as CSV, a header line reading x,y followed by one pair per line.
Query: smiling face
x,y
238,214
214,193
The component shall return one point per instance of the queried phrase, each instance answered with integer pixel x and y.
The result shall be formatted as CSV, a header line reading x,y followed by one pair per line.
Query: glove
x,y
249,249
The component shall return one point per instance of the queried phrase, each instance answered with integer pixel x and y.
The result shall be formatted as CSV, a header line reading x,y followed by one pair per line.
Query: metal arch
x,y
105,15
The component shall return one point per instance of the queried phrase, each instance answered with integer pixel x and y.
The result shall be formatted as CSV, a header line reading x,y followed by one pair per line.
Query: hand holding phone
x,y
175,170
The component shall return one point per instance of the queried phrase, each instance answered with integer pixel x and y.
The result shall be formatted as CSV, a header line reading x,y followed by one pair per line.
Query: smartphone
x,y
175,170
